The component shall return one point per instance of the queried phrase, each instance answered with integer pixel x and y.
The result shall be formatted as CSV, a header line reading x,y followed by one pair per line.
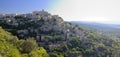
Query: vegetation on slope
x,y
10,46
59,38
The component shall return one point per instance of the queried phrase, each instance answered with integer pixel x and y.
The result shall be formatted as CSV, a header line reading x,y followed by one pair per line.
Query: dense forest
x,y
40,34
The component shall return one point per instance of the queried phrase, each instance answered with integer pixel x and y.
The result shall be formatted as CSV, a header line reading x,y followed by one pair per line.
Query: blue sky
x,y
102,11
23,6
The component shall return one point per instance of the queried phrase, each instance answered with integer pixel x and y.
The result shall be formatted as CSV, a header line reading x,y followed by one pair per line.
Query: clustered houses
x,y
42,26
34,16
16,19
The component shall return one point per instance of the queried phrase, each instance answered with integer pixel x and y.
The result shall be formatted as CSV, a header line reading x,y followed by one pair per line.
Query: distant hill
x,y
107,29
58,37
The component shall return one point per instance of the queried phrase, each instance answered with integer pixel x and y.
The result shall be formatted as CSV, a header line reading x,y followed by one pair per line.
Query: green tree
x,y
28,45
39,52
56,55
7,49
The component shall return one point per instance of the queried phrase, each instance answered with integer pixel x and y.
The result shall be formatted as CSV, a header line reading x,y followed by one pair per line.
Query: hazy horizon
x,y
100,11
